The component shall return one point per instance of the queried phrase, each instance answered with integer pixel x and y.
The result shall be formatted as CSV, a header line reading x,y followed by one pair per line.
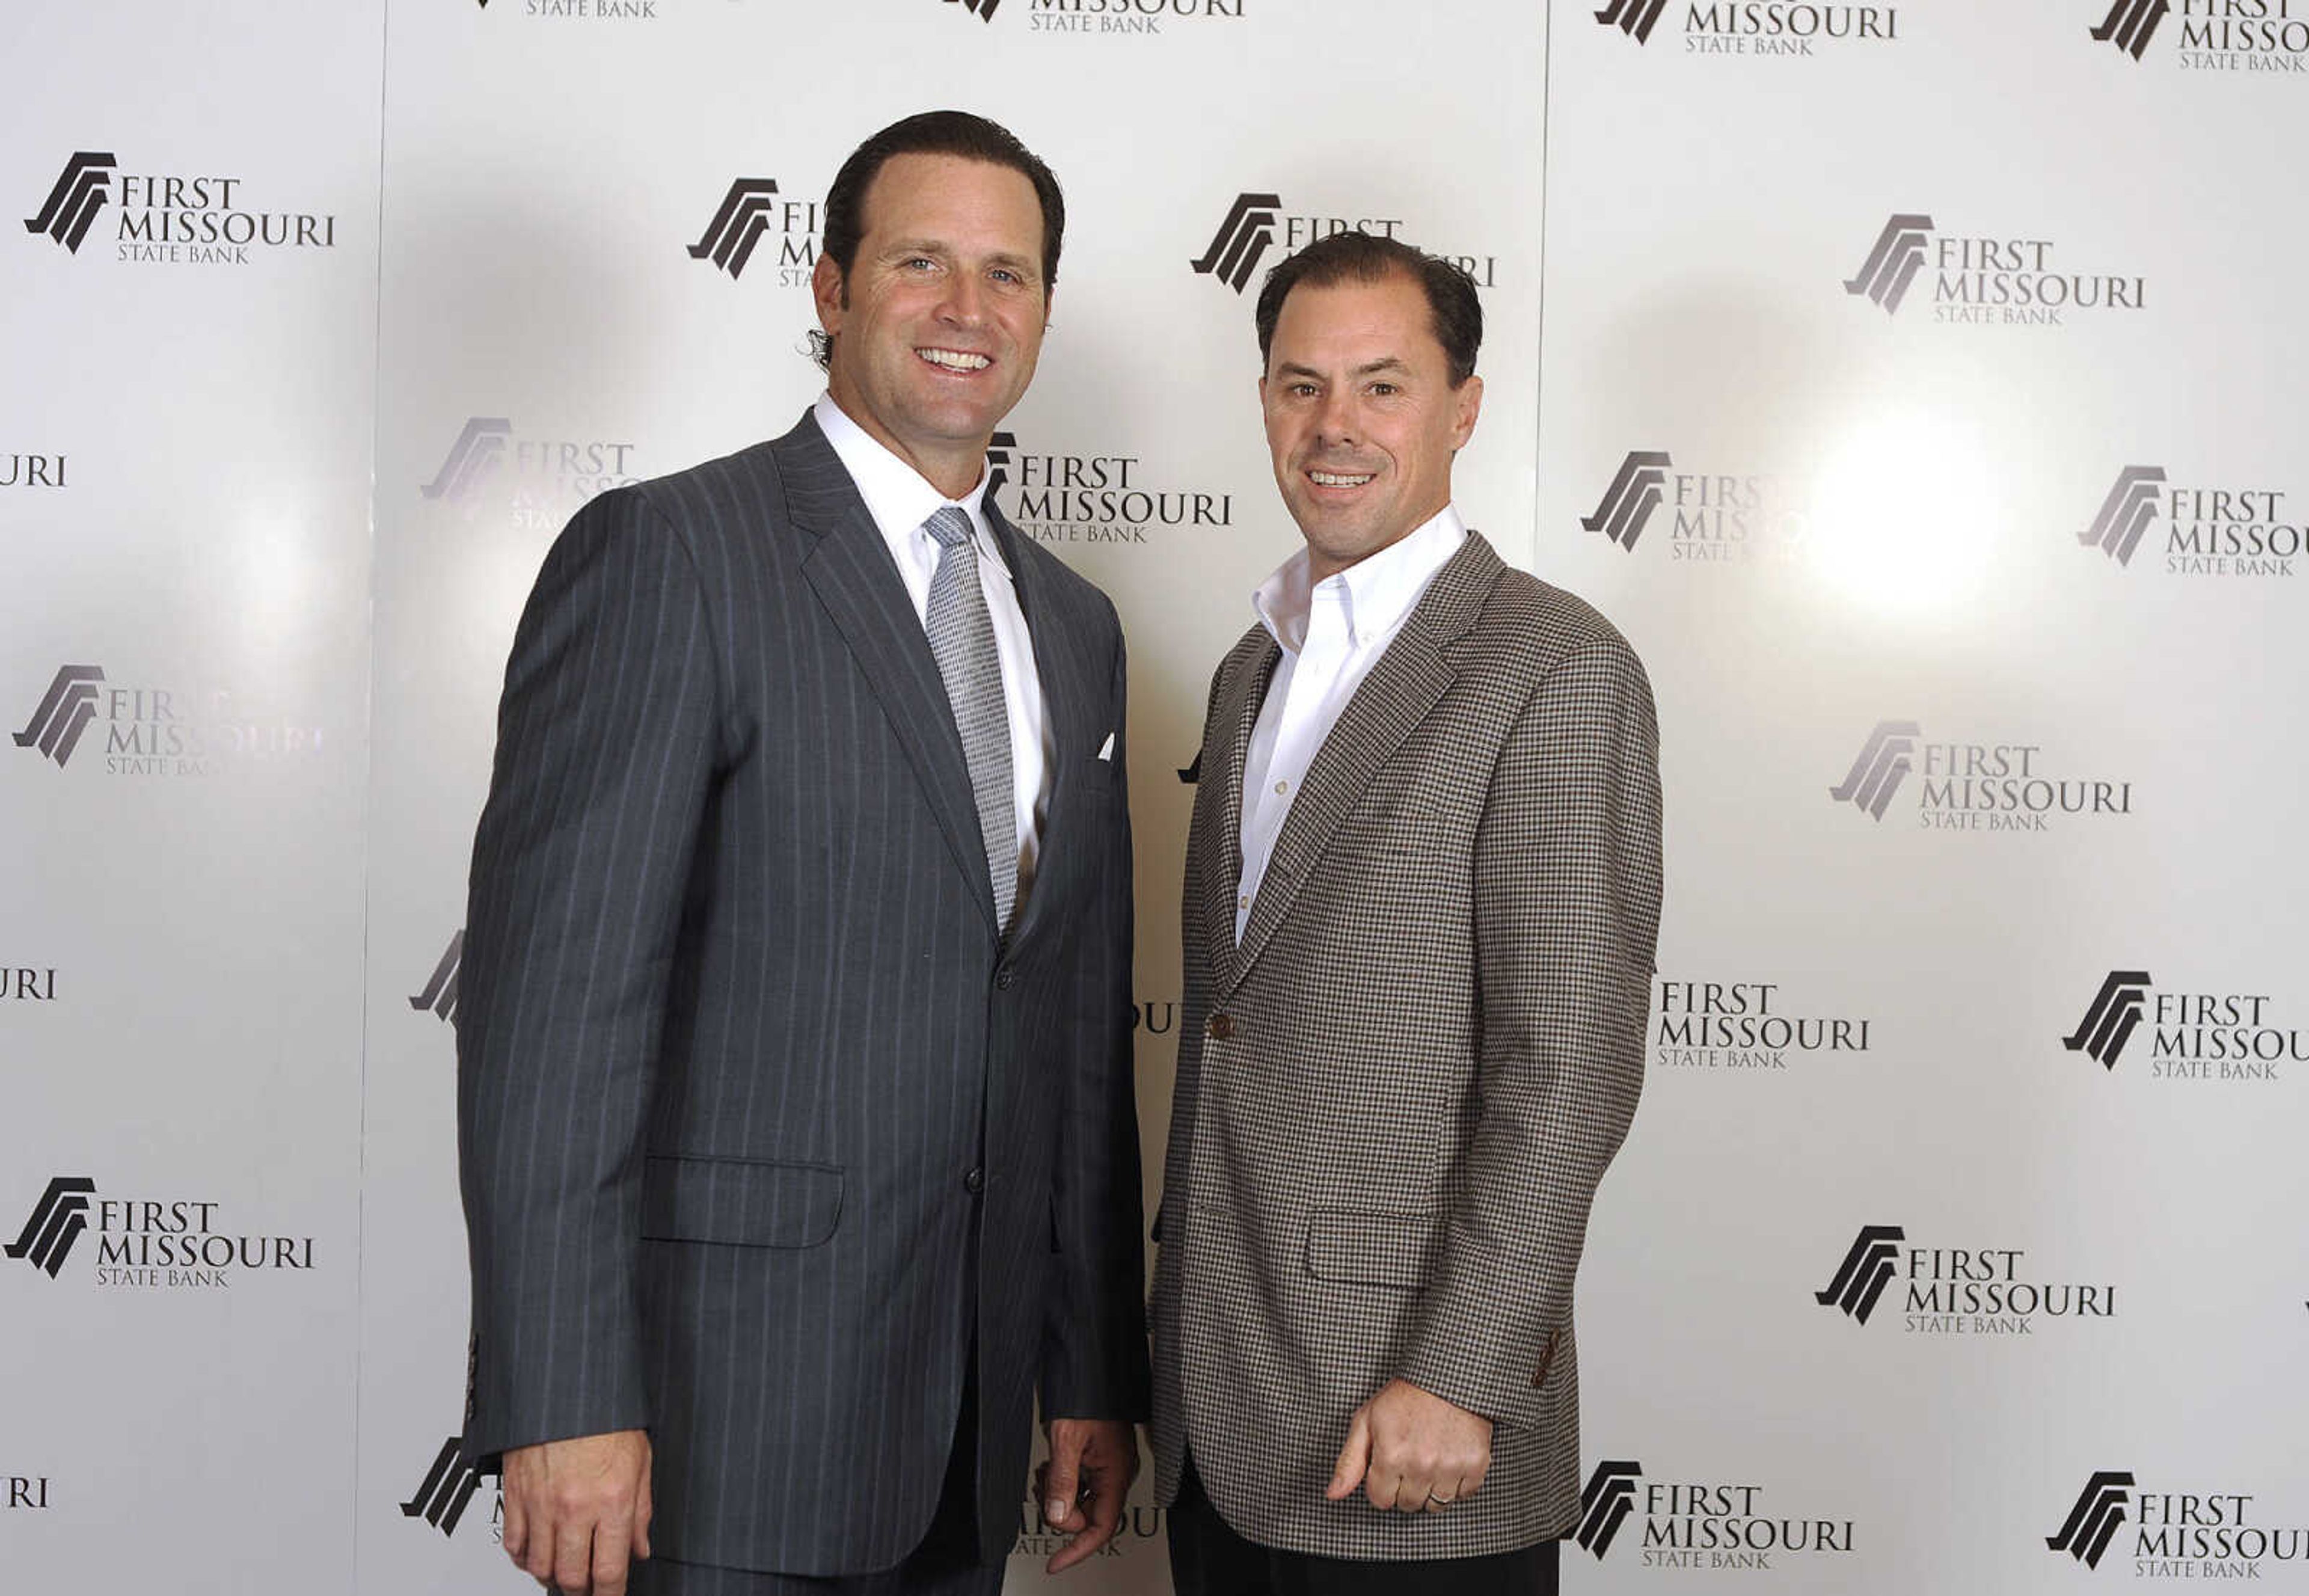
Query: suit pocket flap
x,y
1372,1249
739,1203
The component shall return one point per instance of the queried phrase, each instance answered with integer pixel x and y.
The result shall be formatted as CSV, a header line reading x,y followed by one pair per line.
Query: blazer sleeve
x,y
1567,896
606,738
1095,1333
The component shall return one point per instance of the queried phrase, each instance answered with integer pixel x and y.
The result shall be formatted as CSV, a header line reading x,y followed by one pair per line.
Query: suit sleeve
x,y
1094,1336
605,739
1567,894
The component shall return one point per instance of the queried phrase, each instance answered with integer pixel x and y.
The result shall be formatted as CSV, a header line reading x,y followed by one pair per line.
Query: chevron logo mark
x,y
2093,1520
1632,497
1882,765
999,448
440,992
1635,18
738,226
2125,513
473,458
56,1222
73,204
1241,240
2130,24
447,1490
1606,1504
984,10
2115,1015
1893,263
1866,1270
64,714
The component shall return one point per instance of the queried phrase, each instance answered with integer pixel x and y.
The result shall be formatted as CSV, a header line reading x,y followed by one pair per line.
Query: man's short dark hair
x,y
930,132
1456,315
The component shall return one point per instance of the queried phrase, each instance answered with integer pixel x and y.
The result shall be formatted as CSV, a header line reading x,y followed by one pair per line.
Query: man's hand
x,y
576,1512
1089,1457
1412,1452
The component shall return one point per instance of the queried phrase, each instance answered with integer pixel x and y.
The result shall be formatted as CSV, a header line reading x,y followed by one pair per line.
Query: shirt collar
x,y
1376,593
899,498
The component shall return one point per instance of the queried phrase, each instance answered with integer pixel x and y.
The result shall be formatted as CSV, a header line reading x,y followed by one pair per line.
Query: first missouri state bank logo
x,y
73,204
1256,220
59,1218
2192,1534
64,714
750,209
2193,1035
192,217
152,730
1974,784
2214,35
1780,28
1973,1291
1714,1524
447,1490
2237,529
438,996
1982,279
171,1243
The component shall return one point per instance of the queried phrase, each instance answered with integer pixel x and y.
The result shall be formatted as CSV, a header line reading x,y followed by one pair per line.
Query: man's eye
x,y
1384,389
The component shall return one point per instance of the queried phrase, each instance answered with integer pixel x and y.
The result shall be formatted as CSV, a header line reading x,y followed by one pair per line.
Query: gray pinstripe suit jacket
x,y
733,1009
1394,1098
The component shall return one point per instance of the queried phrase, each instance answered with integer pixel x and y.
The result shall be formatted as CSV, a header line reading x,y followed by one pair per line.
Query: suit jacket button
x,y
1221,1026
1005,977
974,1182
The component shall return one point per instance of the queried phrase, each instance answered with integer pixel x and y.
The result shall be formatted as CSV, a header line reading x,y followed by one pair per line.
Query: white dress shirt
x,y
900,499
1331,635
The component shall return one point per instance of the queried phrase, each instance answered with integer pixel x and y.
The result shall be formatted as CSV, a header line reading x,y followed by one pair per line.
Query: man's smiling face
x,y
1362,418
938,329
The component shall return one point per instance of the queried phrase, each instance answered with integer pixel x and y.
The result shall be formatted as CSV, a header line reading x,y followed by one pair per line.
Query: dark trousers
x,y
945,1563
1208,1558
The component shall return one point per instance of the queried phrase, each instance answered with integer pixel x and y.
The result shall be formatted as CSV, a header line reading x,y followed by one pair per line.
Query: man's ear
x,y
1469,397
829,293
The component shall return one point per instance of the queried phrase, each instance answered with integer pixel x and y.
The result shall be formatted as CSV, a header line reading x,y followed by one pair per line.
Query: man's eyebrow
x,y
1023,264
1388,363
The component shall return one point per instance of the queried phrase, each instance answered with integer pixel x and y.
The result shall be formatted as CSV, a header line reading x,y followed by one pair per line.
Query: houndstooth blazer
x,y
1396,1096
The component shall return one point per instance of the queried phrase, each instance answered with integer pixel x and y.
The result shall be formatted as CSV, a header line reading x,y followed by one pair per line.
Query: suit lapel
x,y
849,566
1402,686
1062,662
1234,716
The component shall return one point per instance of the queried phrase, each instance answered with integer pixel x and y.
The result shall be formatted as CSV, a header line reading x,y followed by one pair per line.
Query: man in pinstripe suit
x,y
1423,889
797,1132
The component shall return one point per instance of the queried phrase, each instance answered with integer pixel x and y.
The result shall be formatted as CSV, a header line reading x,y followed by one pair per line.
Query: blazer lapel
x,y
1234,716
849,566
1063,664
1402,686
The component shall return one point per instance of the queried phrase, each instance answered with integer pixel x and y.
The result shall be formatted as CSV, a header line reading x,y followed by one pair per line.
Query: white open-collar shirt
x,y
901,500
1331,633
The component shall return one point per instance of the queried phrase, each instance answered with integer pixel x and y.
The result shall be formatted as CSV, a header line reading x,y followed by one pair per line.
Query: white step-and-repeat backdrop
x,y
1921,386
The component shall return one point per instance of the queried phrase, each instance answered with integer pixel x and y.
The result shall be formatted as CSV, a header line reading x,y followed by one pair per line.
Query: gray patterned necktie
x,y
962,639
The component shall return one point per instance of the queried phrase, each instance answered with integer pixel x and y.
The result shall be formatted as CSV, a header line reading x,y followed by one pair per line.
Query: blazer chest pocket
x,y
739,1203
1352,1247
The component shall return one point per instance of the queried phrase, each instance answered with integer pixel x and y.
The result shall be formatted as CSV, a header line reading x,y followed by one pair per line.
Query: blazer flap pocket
x,y
739,1202
1372,1249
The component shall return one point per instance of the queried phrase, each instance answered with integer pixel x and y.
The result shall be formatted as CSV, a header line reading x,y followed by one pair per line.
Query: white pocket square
x,y
1106,748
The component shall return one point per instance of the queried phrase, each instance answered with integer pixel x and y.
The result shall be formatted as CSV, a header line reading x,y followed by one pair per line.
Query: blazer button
x,y
1005,977
974,1182
1221,1028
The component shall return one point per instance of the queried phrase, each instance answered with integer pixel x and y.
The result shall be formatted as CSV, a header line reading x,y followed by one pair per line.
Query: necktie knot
x,y
950,527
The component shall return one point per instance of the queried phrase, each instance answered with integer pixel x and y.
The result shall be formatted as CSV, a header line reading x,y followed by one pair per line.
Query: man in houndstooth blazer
x,y
1422,894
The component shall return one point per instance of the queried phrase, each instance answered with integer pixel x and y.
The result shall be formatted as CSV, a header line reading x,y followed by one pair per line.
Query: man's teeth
x,y
1331,479
955,360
